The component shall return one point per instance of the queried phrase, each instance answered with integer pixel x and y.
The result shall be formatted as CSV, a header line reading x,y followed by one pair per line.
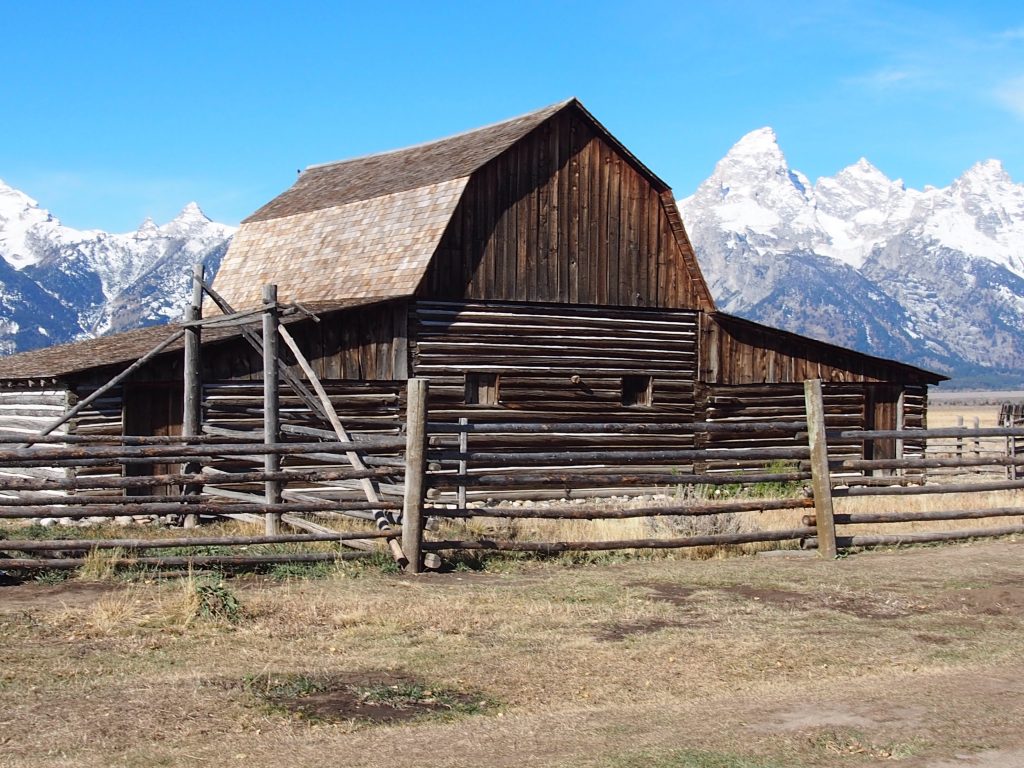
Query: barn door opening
x,y
882,411
153,409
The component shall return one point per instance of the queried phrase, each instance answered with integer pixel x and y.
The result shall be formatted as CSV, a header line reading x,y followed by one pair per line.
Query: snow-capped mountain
x,y
933,276
58,284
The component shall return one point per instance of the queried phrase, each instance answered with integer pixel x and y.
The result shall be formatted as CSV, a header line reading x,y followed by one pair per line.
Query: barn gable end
x,y
567,215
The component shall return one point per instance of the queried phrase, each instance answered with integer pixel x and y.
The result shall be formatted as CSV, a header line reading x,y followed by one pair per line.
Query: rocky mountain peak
x,y
191,214
934,277
71,283
987,172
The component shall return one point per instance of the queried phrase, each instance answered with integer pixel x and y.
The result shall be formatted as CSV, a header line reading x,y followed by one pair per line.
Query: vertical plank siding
x,y
737,351
564,217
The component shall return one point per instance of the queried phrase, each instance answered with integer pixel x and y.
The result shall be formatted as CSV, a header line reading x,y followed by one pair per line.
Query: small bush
x,y
216,602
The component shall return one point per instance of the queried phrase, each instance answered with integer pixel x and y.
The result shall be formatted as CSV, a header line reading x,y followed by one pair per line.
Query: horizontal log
x,y
33,499
886,481
33,564
882,434
896,539
979,487
509,458
625,428
173,452
581,512
82,483
132,440
201,508
999,460
552,547
50,545
874,518
604,478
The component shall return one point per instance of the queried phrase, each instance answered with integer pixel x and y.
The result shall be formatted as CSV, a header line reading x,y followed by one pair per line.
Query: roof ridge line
x,y
558,105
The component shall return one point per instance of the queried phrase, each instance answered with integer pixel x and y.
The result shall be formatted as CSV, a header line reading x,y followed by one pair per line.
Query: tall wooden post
x,y
271,403
901,423
415,469
192,408
820,480
976,442
959,440
463,463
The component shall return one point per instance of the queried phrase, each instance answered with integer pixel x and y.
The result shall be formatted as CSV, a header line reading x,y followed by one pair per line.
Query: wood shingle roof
x,y
368,227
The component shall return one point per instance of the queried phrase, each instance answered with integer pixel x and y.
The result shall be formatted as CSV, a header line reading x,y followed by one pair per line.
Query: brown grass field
x,y
907,656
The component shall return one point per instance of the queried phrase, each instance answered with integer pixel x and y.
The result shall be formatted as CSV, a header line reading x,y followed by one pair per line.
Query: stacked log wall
x,y
365,408
737,351
27,412
557,363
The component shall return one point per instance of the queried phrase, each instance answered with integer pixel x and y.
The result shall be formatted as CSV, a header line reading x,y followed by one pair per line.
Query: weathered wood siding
x,y
557,364
736,351
847,406
26,412
566,217
365,344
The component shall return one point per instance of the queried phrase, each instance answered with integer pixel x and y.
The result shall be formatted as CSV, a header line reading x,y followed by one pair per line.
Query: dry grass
x,y
761,661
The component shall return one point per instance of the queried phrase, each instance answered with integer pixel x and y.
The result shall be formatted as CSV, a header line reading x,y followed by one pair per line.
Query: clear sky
x,y
113,111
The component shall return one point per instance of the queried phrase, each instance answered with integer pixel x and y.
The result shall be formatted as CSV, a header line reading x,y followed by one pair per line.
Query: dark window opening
x,y
482,388
636,391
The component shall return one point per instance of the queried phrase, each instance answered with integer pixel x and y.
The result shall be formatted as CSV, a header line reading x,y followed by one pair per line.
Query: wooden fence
x,y
815,462
297,491
441,470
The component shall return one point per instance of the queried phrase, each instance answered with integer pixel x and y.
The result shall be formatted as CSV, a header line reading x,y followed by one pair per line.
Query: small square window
x,y
482,388
636,391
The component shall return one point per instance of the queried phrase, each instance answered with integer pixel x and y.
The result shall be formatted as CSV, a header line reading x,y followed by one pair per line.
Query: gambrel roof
x,y
369,227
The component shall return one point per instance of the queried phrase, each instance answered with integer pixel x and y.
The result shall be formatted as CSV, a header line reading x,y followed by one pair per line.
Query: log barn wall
x,y
557,363
566,217
738,351
26,412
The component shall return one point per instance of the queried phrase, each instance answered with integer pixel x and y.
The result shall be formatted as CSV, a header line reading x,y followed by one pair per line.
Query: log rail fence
x,y
432,471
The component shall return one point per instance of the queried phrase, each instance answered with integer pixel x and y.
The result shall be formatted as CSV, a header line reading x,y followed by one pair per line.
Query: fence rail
x,y
209,490
436,474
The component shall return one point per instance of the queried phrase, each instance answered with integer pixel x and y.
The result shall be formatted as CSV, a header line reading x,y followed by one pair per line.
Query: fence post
x,y
192,407
976,422
820,480
960,440
271,405
463,463
415,468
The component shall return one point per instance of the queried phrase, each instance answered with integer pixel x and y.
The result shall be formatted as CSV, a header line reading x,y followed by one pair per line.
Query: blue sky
x,y
113,111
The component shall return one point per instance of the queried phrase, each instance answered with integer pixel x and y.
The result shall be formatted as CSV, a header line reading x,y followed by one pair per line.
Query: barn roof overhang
x,y
53,366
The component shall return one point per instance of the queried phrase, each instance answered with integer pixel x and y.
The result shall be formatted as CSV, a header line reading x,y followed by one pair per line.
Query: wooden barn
x,y
534,269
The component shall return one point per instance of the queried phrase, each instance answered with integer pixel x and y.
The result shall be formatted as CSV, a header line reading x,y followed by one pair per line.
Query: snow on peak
x,y
763,141
986,172
756,156
864,171
753,196
20,218
192,213
753,193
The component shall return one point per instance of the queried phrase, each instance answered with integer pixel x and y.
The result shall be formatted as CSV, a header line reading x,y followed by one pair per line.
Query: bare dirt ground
x,y
911,657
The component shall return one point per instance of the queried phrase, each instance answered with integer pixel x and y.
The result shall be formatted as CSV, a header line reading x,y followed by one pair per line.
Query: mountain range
x,y
59,284
933,277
